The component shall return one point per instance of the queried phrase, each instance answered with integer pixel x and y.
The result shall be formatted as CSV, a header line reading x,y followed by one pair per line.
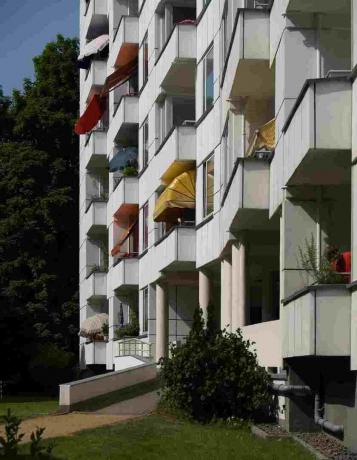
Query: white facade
x,y
212,76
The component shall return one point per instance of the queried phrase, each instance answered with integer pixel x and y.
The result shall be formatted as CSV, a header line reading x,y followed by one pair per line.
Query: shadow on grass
x,y
118,396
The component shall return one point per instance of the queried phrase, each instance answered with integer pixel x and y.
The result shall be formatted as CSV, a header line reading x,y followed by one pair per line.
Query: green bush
x,y
214,375
129,330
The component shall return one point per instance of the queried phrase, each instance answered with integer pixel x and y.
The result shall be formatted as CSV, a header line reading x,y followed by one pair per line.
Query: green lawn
x,y
158,437
27,406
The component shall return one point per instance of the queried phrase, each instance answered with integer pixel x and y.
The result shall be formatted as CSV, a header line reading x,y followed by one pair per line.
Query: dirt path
x,y
67,424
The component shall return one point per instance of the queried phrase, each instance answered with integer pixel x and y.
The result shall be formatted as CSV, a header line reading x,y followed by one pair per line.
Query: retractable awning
x,y
126,156
127,63
129,231
126,214
264,138
94,325
92,48
181,194
91,116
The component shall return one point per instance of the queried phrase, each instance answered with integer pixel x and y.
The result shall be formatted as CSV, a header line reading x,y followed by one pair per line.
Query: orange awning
x,y
117,248
126,214
127,63
91,116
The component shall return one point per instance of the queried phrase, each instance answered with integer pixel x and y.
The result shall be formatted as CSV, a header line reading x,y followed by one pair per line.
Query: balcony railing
x,y
132,347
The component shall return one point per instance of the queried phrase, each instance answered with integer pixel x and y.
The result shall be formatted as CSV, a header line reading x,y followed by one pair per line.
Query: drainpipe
x,y
335,429
286,390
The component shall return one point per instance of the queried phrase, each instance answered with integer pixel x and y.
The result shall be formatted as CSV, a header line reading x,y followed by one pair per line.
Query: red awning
x,y
127,63
131,230
93,113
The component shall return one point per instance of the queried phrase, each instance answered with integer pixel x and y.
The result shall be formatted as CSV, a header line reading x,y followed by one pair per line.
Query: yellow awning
x,y
264,138
181,193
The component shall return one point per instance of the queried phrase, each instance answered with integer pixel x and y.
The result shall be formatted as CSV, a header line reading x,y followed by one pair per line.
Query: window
x,y
145,59
145,309
208,184
145,226
164,119
225,155
208,80
145,130
226,31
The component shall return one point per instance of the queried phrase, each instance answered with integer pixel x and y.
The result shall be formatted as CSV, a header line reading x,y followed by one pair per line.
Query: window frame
x,y
145,226
205,106
205,187
145,59
145,311
145,140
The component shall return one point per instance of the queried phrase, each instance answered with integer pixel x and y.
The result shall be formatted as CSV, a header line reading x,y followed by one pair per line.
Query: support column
x,y
161,322
239,313
204,293
226,295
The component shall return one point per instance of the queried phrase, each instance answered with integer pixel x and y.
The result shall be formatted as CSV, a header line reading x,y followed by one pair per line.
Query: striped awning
x,y
180,194
264,138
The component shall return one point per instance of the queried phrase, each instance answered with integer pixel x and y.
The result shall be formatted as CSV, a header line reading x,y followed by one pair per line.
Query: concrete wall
x,y
81,390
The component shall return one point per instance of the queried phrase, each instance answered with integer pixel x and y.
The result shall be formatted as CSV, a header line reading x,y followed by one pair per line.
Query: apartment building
x,y
217,163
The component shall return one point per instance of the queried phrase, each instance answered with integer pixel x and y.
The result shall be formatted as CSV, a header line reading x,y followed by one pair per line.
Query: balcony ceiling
x,y
315,6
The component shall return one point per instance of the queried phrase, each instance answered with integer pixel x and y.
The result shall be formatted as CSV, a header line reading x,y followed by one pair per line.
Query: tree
x,y
39,211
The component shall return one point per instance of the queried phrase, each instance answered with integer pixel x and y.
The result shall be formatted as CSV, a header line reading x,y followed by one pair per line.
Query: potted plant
x,y
105,331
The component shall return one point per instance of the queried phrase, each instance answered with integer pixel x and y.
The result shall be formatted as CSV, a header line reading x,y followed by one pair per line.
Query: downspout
x,y
335,429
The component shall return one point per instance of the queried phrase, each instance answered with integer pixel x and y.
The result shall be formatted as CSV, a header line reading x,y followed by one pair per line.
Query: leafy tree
x,y
214,375
39,211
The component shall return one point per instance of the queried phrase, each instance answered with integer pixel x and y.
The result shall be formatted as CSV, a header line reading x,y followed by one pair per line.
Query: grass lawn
x,y
27,406
159,437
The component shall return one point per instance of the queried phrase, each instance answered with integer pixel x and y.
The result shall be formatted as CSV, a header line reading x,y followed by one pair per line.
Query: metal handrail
x,y
132,347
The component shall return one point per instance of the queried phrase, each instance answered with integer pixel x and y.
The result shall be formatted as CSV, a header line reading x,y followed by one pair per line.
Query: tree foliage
x,y
214,375
39,210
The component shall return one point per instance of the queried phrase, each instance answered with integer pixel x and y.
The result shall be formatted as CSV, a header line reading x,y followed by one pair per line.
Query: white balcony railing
x,y
124,275
176,249
124,113
95,149
176,66
95,78
96,285
95,19
317,322
95,217
95,353
127,32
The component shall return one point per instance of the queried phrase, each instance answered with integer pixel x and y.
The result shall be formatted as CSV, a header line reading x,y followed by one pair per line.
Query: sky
x,y
25,28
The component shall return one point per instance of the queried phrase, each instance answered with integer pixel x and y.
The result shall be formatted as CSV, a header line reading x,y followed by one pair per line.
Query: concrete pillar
x,y
267,313
161,322
239,313
226,295
204,293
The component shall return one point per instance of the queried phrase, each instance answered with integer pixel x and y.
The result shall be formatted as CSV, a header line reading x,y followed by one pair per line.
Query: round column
x,y
161,323
239,318
226,295
204,293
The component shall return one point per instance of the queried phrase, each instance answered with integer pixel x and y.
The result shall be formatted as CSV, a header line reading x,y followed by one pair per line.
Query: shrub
x,y
10,443
214,375
129,330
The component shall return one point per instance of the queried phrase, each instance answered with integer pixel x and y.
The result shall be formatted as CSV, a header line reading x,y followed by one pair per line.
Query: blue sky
x,y
25,27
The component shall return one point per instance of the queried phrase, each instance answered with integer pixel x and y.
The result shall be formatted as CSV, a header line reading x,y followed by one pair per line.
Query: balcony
x,y
124,276
133,347
95,219
176,66
95,79
95,353
245,206
246,71
126,192
96,286
95,150
127,32
95,19
176,251
125,120
177,154
316,321
318,133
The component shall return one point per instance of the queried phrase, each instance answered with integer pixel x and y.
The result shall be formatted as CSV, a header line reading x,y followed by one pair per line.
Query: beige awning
x,y
264,138
93,326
